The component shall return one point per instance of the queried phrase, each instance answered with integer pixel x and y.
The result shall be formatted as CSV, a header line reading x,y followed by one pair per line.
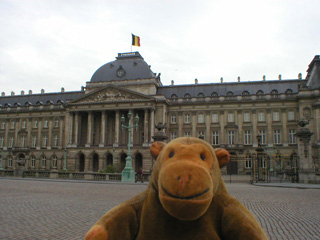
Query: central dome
x,y
128,66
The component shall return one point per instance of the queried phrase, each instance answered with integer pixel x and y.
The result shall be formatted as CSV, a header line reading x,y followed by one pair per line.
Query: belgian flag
x,y
135,40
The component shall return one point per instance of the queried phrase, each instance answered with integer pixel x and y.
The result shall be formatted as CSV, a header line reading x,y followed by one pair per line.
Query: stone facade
x,y
84,127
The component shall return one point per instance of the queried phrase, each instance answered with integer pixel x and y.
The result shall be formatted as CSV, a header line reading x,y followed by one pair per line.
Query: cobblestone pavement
x,y
66,210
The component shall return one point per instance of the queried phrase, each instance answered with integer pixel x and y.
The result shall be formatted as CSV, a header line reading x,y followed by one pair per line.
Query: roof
x,y
128,66
237,88
33,99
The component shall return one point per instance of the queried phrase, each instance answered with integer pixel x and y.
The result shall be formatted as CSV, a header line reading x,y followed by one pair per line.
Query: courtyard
x,y
53,209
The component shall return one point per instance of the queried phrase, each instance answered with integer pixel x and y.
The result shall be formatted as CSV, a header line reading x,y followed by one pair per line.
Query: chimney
x,y
22,92
279,77
12,93
238,78
62,89
3,94
263,77
221,79
30,92
42,91
196,81
172,82
300,76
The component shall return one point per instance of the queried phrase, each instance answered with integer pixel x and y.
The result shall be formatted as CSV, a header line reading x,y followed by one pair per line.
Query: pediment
x,y
112,94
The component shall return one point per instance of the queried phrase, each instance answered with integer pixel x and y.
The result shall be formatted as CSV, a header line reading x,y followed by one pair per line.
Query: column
x,y
103,129
6,136
146,128
269,124
76,128
254,128
180,124
239,121
16,129
208,124
70,128
39,134
194,124
89,130
116,132
50,134
222,132
284,128
29,123
133,130
61,126
152,124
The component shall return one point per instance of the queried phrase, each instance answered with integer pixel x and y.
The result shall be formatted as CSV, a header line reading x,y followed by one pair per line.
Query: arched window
x,y
245,93
43,162
260,92
33,161
273,92
54,161
214,94
187,96
289,91
201,95
248,161
174,97
230,94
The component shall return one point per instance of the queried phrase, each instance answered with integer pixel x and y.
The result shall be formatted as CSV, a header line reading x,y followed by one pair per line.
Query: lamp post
x,y
128,174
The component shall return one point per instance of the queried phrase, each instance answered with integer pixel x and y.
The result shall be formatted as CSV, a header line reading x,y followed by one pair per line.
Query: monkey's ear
x,y
223,156
156,148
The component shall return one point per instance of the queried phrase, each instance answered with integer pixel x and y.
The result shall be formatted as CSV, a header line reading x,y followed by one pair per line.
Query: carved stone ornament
x,y
110,95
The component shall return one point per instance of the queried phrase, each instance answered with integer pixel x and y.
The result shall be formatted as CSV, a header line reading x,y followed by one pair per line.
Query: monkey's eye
x,y
171,154
202,156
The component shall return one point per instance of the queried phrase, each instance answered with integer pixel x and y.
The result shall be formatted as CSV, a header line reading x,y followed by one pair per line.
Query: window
x,y
292,136
263,135
275,116
230,117
35,124
13,124
214,94
23,141
10,162
261,117
43,162
248,161
46,124
187,96
3,125
201,118
54,162
215,138
33,161
291,116
187,118
55,140
11,142
24,124
215,118
201,134
174,97
34,141
247,137
56,123
45,140
231,135
1,142
246,117
173,135
173,118
187,134
276,136
201,95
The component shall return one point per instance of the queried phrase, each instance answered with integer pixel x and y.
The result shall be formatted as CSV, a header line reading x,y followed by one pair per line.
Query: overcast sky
x,y
51,44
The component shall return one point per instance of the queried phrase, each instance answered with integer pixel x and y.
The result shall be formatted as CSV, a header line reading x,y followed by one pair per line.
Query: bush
x,y
111,169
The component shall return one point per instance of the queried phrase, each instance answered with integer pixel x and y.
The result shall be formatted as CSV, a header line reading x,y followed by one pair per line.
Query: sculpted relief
x,y
110,95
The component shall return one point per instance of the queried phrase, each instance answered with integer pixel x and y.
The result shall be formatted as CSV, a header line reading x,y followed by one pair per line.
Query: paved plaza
x,y
32,209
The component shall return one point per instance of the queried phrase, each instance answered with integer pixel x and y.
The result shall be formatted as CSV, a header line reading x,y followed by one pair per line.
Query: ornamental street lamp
x,y
128,174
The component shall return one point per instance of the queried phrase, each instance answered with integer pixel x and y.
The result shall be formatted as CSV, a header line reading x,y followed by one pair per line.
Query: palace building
x,y
81,130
